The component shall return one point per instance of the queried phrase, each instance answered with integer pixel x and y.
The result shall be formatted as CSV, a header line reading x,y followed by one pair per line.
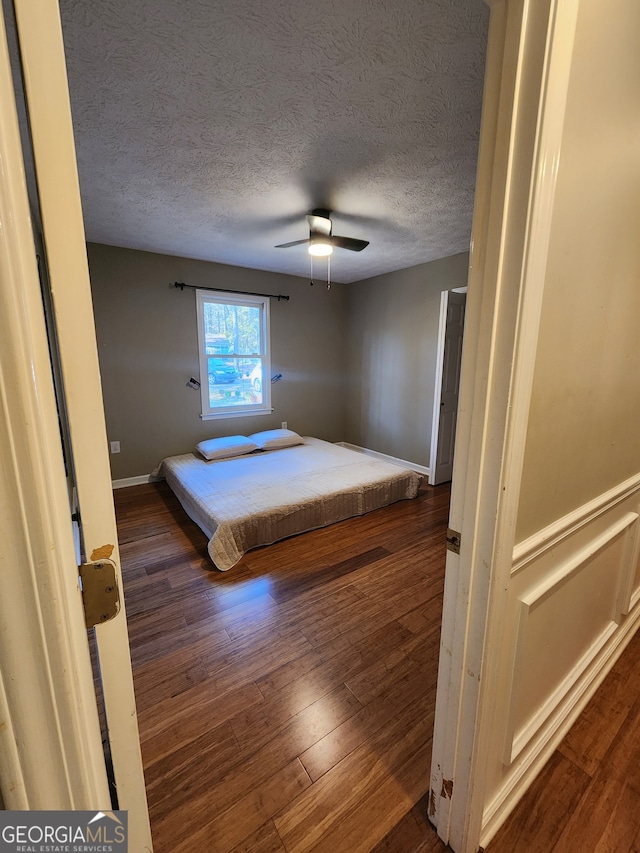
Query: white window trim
x,y
203,296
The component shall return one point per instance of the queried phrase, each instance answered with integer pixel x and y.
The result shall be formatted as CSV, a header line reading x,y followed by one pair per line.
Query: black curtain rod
x,y
277,296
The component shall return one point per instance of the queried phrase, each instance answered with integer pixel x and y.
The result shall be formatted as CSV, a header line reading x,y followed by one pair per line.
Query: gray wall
x,y
147,343
358,361
392,323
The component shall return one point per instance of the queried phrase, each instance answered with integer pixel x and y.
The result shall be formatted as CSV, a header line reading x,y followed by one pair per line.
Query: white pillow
x,y
273,439
226,447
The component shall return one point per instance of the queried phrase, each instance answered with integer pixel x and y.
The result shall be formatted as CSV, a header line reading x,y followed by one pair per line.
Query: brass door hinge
x,y
453,541
100,594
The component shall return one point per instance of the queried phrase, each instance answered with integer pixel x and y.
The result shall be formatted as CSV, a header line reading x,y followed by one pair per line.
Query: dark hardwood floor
x,y
287,704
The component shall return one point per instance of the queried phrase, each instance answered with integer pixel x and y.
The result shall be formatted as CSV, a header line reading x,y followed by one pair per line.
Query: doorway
x,y
447,384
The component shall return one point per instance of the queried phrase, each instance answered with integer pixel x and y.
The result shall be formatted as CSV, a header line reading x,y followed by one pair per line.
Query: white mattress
x,y
254,500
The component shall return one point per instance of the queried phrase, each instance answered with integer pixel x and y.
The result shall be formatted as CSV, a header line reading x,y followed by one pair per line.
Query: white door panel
x,y
46,93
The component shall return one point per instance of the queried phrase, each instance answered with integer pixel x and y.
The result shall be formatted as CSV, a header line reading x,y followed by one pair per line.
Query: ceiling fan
x,y
321,241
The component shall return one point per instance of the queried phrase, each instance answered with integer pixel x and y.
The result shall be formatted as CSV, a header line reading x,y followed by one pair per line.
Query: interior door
x,y
449,364
47,103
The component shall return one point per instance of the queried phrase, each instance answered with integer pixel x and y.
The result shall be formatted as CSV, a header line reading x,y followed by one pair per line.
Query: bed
x,y
247,501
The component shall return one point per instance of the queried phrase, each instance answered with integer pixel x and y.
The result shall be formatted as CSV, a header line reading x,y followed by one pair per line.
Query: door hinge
x,y
453,541
100,594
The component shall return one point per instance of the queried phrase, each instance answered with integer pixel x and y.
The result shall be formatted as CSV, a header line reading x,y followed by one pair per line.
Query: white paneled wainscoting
x,y
573,603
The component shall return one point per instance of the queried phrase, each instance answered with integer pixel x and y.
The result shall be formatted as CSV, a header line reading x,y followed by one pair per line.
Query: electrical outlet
x,y
115,446
284,424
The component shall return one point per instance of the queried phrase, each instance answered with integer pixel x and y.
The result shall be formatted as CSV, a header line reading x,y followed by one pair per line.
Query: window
x,y
233,343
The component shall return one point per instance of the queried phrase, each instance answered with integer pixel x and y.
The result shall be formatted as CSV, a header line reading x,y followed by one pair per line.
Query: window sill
x,y
214,416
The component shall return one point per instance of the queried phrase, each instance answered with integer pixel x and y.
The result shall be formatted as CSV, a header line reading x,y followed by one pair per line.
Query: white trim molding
x,y
584,568
530,549
47,101
610,593
437,385
525,771
125,482
139,480
528,70
420,469
50,744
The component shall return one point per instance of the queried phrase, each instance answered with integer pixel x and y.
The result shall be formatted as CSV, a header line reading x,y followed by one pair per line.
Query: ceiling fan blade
x,y
348,243
293,243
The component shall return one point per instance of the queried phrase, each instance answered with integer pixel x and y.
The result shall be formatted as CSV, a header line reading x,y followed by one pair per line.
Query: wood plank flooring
x,y
286,705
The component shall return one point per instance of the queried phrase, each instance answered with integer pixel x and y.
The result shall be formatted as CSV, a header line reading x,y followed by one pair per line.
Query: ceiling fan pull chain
x,y
328,272
311,270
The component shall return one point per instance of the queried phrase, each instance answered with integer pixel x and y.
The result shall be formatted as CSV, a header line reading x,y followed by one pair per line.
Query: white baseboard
x,y
602,537
131,481
421,469
515,787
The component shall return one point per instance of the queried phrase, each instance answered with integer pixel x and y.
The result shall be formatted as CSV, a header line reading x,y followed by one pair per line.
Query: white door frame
x,y
530,44
437,391
47,97
50,744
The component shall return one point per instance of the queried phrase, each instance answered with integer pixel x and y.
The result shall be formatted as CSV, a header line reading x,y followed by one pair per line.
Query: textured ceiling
x,y
208,128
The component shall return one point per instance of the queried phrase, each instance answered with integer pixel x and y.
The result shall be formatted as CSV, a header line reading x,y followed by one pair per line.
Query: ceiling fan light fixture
x,y
320,248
